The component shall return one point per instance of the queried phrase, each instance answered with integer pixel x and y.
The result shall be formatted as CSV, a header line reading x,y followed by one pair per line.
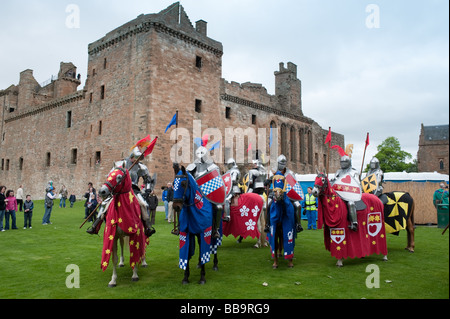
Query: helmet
x,y
374,163
346,162
201,153
281,161
231,163
135,153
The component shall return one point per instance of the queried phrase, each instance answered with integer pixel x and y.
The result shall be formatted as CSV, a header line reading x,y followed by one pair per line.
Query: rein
x,y
183,198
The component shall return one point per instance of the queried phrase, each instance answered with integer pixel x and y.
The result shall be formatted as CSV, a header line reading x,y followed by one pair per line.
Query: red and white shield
x,y
337,235
212,187
293,189
207,235
348,188
227,181
374,223
182,239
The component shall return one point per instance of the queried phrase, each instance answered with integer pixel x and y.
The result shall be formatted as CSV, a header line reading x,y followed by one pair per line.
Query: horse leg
x,y
135,276
410,231
202,275
122,260
113,282
216,261
185,280
144,263
340,263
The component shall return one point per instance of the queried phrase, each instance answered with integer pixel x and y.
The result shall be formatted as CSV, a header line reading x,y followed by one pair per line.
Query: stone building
x,y
433,152
138,76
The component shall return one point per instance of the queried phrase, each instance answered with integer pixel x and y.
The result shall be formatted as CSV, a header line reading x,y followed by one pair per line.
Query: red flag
x,y
328,139
367,139
150,147
339,149
249,148
205,139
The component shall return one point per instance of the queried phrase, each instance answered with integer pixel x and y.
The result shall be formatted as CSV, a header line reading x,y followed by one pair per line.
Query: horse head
x,y
320,184
115,183
278,186
180,187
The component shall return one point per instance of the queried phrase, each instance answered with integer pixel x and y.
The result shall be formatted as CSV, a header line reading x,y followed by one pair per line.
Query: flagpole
x,y
364,155
328,153
176,138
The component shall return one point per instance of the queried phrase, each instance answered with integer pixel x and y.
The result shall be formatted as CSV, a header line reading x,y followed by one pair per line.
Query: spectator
x,y
166,203
152,203
72,199
91,190
28,206
11,208
310,209
91,206
440,196
19,197
63,193
2,206
49,197
170,202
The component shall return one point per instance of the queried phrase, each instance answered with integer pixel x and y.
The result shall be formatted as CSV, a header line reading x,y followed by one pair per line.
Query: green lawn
x,y
33,265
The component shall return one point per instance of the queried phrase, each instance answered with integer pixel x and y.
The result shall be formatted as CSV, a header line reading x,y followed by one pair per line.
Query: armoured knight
x,y
137,171
235,176
375,169
282,167
202,165
347,169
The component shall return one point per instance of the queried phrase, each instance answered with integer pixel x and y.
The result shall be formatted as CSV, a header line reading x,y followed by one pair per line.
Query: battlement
x,y
173,20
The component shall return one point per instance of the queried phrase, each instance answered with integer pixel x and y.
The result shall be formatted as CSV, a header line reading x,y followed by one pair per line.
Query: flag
x,y
142,143
249,147
367,140
205,139
150,147
339,149
270,137
173,121
328,138
215,145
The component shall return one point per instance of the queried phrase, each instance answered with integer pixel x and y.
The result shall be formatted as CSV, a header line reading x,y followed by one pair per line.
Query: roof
x,y
397,177
435,133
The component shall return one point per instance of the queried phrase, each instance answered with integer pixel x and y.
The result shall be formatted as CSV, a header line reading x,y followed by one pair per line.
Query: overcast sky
x,y
366,66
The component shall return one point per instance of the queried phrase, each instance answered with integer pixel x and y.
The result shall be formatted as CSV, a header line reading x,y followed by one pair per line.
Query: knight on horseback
x,y
378,175
282,167
235,176
137,171
203,164
345,170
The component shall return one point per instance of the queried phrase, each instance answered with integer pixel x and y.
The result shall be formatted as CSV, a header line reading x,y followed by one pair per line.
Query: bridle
x,y
322,187
111,187
185,184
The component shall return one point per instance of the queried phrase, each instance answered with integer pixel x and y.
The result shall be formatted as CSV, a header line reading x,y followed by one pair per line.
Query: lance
x,y
364,155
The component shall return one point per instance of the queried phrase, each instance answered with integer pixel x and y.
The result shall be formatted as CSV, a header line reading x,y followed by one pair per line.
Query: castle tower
x,y
288,88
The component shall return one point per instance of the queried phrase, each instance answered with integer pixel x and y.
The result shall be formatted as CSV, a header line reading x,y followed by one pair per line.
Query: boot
x,y
95,228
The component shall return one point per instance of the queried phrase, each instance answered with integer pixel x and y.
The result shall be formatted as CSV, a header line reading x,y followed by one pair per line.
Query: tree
x,y
392,158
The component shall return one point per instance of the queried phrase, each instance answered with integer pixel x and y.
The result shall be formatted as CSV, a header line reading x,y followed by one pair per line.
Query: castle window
x,y
227,112
102,92
20,163
198,62
3,164
73,159
90,97
198,106
98,157
253,119
48,159
100,128
69,119
7,164
93,72
104,63
441,164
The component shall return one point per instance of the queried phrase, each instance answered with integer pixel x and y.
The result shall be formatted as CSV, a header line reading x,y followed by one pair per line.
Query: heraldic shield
x,y
374,223
293,189
369,184
348,188
227,181
212,186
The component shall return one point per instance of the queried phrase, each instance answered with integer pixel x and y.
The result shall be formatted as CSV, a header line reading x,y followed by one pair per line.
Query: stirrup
x,y
175,232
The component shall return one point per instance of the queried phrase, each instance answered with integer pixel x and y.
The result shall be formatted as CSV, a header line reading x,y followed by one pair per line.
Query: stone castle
x,y
138,76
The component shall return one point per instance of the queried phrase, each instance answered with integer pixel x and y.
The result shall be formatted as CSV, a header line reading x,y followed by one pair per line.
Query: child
x,y
91,205
72,199
28,212
11,207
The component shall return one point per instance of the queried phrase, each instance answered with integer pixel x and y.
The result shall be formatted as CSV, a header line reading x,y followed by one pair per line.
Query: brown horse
x,y
370,236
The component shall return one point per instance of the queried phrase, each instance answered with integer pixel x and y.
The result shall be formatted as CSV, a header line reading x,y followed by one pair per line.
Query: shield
x,y
348,188
227,181
374,223
369,184
293,189
337,235
245,183
212,187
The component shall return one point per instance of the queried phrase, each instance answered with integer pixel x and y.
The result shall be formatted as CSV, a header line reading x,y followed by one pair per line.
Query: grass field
x,y
33,265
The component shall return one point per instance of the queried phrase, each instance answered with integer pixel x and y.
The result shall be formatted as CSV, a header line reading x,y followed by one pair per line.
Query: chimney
x,y
200,26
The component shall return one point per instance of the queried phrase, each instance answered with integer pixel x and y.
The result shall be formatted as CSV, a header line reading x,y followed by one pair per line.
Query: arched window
x,y
293,144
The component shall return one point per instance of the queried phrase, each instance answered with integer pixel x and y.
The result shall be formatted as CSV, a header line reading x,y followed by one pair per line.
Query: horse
x,y
282,222
399,214
245,214
196,221
123,220
370,236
